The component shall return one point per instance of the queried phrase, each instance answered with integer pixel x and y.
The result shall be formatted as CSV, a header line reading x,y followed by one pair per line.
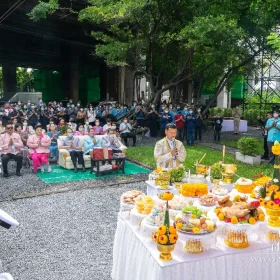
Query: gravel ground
x,y
66,230
63,236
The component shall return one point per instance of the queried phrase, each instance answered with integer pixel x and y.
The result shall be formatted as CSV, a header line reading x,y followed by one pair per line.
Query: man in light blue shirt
x,y
72,144
91,142
125,131
273,133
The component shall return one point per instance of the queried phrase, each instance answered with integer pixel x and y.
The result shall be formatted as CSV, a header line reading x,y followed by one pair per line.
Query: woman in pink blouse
x,y
81,131
98,130
39,152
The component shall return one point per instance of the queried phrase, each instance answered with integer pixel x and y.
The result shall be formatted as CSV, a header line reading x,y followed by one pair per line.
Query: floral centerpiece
x,y
166,236
177,174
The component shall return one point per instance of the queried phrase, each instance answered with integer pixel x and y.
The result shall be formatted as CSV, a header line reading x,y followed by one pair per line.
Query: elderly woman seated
x,y
81,131
39,152
53,134
91,142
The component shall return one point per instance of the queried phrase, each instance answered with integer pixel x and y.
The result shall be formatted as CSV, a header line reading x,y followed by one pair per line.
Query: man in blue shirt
x,y
190,123
273,133
164,120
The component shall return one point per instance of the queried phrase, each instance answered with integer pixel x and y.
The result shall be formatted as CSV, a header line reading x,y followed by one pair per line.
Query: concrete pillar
x,y
70,74
222,99
9,80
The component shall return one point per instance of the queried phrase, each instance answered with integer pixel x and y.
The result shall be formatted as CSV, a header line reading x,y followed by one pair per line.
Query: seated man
x,y
125,131
169,152
53,134
72,144
10,148
91,142
111,141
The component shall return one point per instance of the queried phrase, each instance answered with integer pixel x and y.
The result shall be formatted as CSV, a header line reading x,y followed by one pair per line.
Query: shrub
x,y
247,145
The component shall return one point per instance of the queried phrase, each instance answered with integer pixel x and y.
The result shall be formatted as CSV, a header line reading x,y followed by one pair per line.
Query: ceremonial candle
x,y
224,151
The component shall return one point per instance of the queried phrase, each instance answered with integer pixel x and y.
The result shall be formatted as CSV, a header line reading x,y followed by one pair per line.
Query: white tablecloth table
x,y
228,126
136,258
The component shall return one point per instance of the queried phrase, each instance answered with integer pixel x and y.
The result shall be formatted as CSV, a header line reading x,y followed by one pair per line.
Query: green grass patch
x,y
233,144
145,154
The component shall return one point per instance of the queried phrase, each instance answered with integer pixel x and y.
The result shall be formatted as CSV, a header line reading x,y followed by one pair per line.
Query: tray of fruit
x,y
239,212
195,226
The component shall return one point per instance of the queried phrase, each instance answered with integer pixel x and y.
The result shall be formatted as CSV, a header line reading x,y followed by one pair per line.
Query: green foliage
x,y
227,112
247,145
195,153
274,41
63,129
25,79
177,174
234,144
216,171
43,9
171,42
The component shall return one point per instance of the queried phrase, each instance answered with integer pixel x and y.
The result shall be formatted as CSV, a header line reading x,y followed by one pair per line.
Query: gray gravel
x,y
63,236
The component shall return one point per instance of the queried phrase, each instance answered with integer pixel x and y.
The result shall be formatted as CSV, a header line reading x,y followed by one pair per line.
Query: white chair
x,y
64,159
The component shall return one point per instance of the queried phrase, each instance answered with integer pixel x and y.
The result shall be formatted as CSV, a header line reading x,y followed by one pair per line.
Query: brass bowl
x,y
165,252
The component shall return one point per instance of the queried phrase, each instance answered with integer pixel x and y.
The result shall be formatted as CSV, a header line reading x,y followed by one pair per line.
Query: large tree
x,y
171,42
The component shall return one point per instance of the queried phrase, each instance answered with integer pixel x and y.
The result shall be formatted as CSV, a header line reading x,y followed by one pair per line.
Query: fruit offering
x,y
239,211
195,226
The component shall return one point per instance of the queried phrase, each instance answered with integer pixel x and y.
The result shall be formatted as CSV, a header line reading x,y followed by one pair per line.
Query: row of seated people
x,y
16,145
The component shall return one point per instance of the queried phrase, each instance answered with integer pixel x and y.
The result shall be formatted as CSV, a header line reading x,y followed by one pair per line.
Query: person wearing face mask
x,y
153,117
91,115
111,141
53,134
10,148
44,118
98,130
236,114
38,144
133,106
81,116
199,125
190,127
185,111
87,125
107,126
81,131
125,131
180,124
265,147
273,134
169,152
33,116
140,115
91,142
72,125
218,121
73,146
165,118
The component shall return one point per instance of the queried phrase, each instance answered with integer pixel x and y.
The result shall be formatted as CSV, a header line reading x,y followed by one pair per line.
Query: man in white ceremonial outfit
x,y
169,152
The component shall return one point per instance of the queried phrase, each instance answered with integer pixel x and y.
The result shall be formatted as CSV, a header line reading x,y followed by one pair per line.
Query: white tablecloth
x,y
228,126
136,258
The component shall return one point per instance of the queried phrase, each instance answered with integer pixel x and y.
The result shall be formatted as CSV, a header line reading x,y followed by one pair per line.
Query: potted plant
x,y
247,151
63,129
216,172
177,174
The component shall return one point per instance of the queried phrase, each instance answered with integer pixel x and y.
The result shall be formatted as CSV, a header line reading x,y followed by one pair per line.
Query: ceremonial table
x,y
228,125
136,258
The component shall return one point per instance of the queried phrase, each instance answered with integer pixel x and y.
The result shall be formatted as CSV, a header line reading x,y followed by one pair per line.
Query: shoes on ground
x,y
49,169
6,175
75,169
18,174
84,169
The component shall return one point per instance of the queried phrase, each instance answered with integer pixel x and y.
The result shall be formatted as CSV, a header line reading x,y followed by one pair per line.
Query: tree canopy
x,y
171,42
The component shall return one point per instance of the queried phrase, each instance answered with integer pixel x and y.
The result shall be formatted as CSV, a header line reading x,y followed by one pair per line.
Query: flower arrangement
x,y
166,236
276,148
191,190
